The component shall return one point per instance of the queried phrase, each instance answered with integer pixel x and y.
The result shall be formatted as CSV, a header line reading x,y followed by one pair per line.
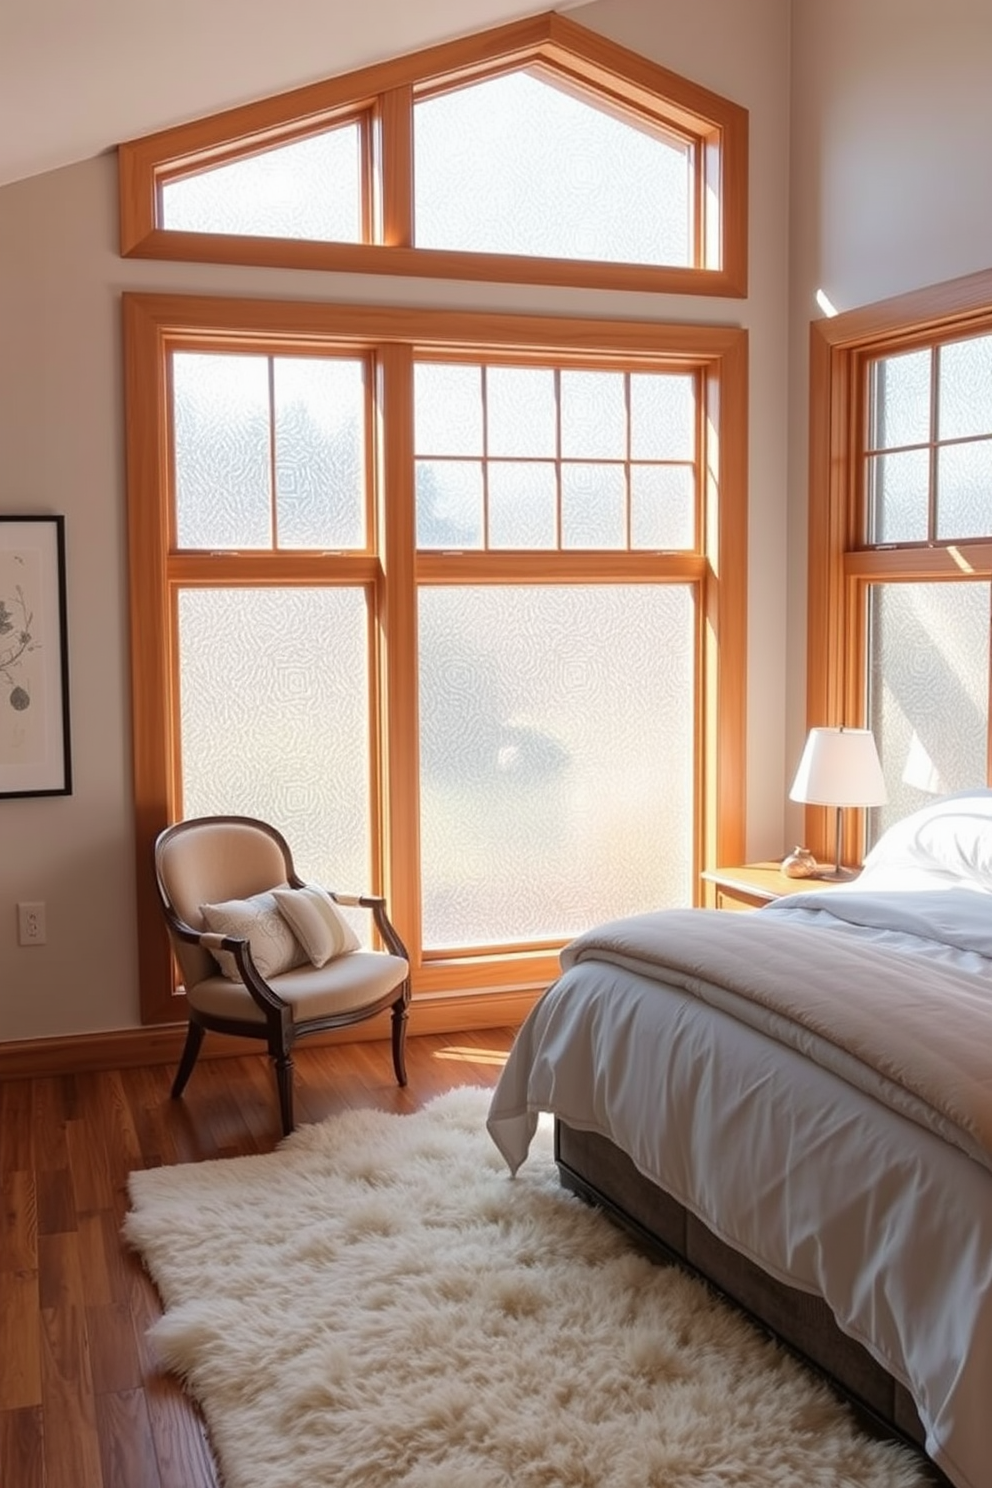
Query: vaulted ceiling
x,y
79,76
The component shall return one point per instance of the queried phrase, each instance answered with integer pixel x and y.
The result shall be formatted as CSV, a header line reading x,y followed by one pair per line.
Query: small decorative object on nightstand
x,y
800,863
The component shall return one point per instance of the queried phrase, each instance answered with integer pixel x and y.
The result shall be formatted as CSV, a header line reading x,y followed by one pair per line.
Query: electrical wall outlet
x,y
31,924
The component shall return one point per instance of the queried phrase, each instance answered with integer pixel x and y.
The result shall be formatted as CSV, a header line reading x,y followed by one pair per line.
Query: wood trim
x,y
400,762
127,1048
193,319
386,92
726,606
151,669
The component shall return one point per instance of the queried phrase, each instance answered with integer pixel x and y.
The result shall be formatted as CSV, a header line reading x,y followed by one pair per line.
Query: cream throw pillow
x,y
274,947
317,923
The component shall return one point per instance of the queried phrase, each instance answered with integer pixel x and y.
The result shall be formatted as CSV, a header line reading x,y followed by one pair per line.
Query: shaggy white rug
x,y
378,1303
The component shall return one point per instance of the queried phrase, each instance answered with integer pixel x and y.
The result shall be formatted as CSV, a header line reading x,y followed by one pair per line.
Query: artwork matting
x,y
34,672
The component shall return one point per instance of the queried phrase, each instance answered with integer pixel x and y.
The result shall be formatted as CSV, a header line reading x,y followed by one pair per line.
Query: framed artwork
x,y
34,671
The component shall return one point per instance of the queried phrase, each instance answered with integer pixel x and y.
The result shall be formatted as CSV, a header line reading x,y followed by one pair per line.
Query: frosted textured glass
x,y
898,497
522,505
515,164
221,423
593,416
309,189
521,411
556,737
662,416
274,717
593,506
900,400
965,383
320,452
447,409
449,504
662,506
964,490
928,691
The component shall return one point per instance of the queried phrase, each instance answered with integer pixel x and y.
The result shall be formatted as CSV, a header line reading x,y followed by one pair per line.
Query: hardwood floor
x,y
81,1402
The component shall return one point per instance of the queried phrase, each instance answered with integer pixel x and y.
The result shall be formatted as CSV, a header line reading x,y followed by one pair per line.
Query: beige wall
x,y
62,438
891,190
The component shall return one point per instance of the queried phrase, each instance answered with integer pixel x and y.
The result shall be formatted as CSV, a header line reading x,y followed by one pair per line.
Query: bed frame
x,y
599,1172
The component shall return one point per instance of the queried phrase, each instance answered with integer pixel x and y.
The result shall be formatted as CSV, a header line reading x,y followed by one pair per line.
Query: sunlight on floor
x,y
460,1054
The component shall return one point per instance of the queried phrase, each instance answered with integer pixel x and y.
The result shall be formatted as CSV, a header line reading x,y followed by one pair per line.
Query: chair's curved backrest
x,y
209,859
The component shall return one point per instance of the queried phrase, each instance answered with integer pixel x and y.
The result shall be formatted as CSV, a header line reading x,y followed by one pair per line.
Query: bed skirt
x,y
592,1167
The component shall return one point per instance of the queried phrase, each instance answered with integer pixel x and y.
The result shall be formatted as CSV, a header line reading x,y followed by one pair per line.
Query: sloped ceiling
x,y
79,76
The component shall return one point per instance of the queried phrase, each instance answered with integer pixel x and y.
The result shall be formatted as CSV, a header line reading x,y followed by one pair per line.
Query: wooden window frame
x,y
842,564
383,96
154,325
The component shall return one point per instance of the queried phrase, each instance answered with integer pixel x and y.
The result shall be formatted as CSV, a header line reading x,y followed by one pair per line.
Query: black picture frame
x,y
35,754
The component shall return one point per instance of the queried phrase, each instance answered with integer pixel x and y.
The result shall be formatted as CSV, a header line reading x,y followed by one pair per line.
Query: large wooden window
x,y
456,600
539,152
901,537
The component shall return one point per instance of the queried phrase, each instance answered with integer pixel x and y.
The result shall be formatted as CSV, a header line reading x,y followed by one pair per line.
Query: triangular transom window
x,y
536,153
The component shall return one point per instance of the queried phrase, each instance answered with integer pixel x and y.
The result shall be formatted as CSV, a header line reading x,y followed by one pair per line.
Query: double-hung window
x,y
901,528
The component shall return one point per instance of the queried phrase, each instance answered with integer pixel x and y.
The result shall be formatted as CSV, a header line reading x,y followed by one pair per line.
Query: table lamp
x,y
840,768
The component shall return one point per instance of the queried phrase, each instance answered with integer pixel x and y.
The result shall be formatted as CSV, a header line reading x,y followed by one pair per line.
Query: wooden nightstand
x,y
750,885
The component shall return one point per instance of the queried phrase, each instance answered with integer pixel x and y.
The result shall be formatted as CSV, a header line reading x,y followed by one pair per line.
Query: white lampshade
x,y
839,767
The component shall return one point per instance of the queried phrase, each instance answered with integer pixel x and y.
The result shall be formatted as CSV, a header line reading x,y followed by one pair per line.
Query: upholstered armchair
x,y
264,955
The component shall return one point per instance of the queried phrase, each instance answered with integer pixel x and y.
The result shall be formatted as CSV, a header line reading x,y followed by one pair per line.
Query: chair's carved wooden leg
x,y
194,1039
284,1079
399,1039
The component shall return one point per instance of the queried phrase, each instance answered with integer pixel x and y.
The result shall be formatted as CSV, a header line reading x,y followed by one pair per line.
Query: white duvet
x,y
819,1181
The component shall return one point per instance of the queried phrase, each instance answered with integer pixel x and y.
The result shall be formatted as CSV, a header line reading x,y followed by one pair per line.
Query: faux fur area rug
x,y
378,1303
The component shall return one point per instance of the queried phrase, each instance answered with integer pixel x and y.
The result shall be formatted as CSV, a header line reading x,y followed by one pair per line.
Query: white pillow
x,y
952,836
317,923
274,947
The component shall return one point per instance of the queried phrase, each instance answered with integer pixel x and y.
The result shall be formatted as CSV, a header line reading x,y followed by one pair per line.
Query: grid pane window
x,y
557,459
269,452
928,468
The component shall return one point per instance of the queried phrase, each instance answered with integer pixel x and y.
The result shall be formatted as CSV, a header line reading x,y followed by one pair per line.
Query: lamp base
x,y
836,875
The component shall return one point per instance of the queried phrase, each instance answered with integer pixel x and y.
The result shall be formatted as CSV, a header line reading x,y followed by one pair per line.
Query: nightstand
x,y
750,885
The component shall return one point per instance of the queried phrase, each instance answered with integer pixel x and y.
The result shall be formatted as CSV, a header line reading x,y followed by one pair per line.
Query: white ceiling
x,y
79,76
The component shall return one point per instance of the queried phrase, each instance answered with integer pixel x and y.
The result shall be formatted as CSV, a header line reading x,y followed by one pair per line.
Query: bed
x,y
798,1102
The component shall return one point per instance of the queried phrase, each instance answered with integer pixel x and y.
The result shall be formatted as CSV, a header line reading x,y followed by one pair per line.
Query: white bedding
x,y
818,1181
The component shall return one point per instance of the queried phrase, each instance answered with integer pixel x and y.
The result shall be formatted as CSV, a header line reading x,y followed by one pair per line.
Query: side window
x,y
901,555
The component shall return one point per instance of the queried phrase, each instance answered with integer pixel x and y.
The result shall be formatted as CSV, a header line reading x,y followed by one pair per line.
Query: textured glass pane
x,y
593,506
898,497
309,189
221,422
964,490
274,691
662,506
447,409
593,416
521,412
516,165
965,383
522,506
556,741
928,691
449,504
662,417
320,452
900,400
